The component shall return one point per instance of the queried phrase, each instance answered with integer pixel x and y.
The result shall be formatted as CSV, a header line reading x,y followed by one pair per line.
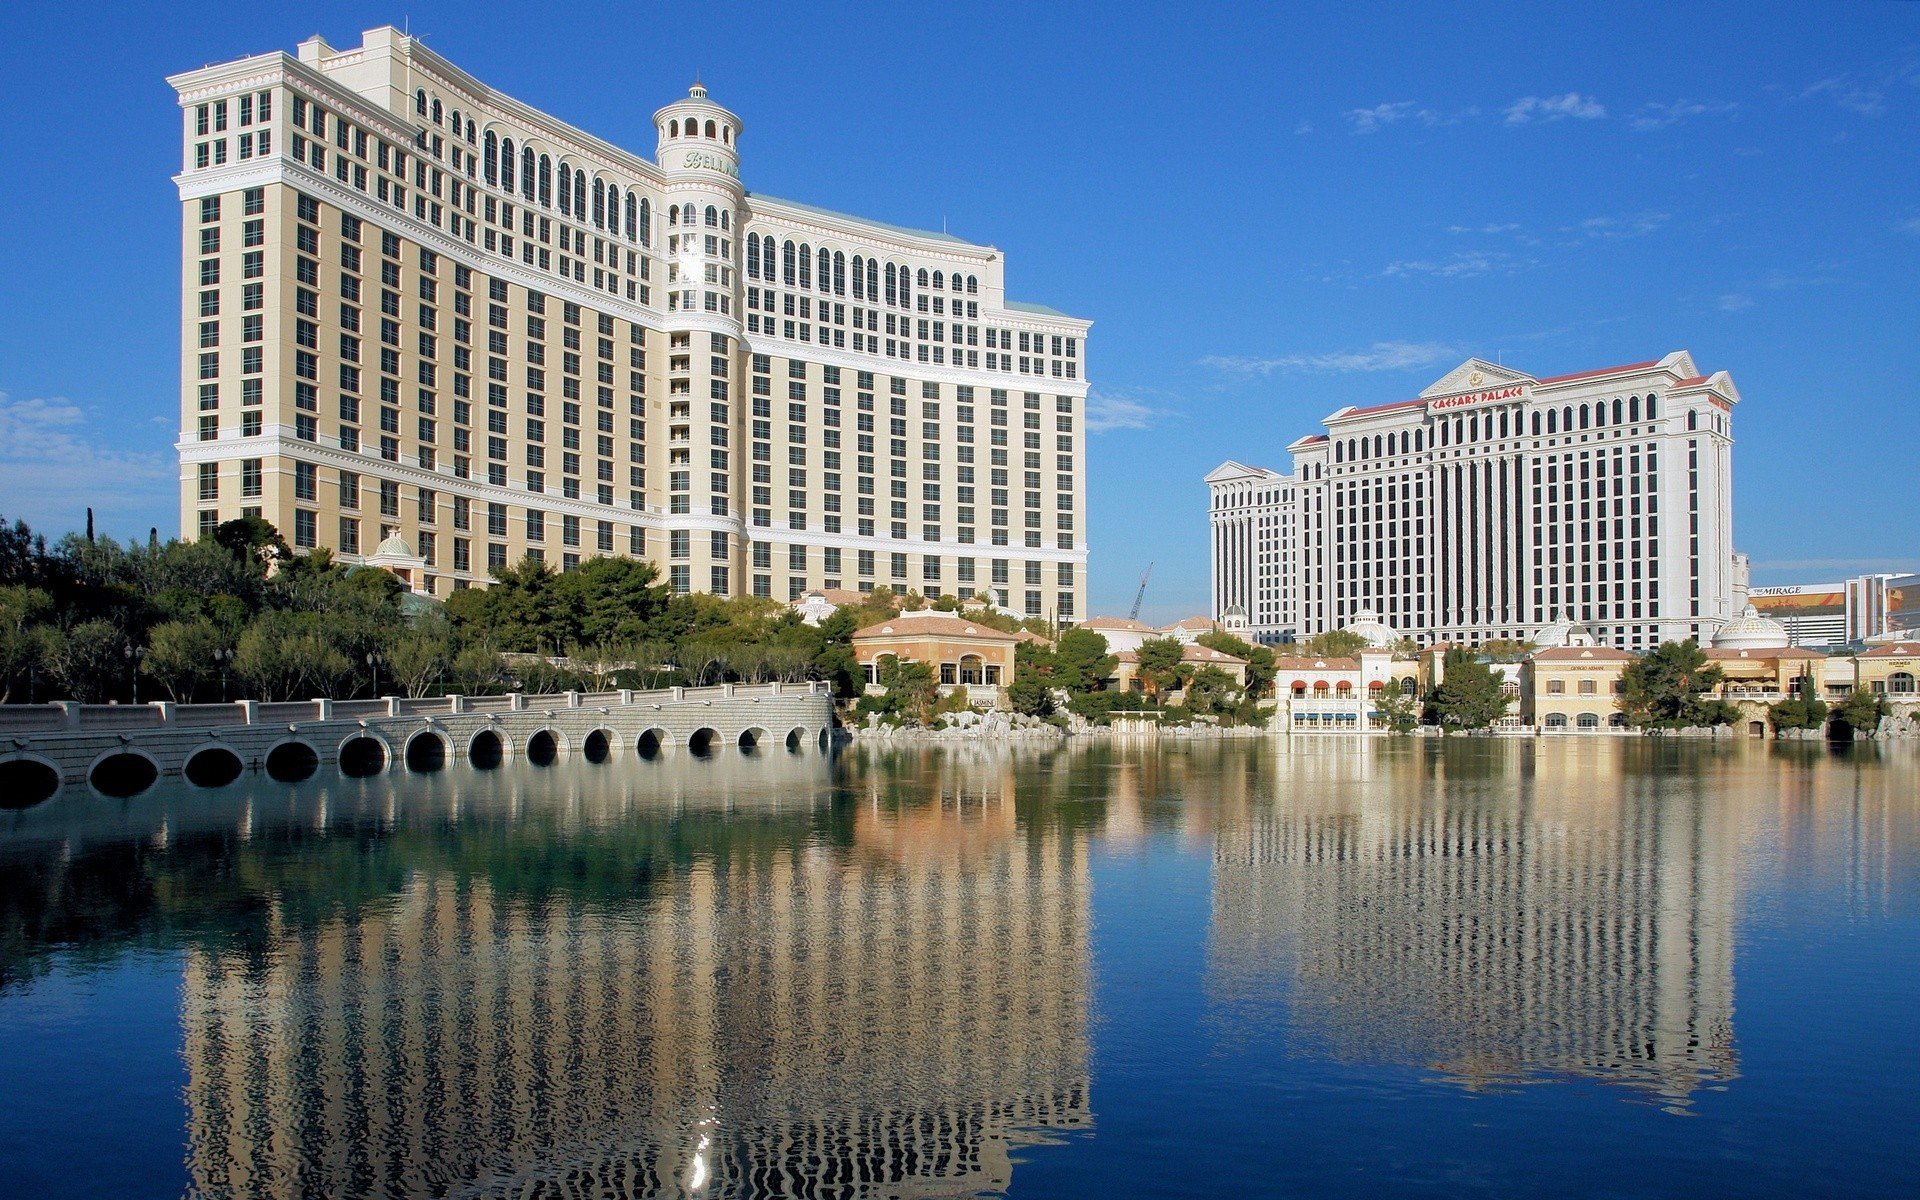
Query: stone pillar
x,y
573,699
456,705
164,708
626,696
393,705
322,709
726,691
70,712
516,702
249,711
678,693
773,688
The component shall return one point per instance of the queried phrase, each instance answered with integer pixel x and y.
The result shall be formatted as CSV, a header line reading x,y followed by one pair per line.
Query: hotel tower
x,y
427,326
1495,503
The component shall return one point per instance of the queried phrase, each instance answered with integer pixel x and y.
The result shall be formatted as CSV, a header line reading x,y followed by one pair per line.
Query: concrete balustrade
x,y
121,750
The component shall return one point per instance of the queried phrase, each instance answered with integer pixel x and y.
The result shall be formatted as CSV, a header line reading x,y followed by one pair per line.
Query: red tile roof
x,y
932,624
1639,366
1897,650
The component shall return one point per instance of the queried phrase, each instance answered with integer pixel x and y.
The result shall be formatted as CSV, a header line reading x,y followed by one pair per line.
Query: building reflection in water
x,y
734,978
1489,912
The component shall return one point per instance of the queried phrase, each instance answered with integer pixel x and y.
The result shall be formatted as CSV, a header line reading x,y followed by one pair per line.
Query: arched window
x,y
906,287
420,102
490,156
1339,452
1536,422
1618,411
973,285
1633,408
469,131
1377,451
506,164
786,263
453,122
939,281
920,279
646,221
599,203
806,265
726,135
1900,683
859,279
753,256
526,171
1589,720
1693,419
631,214
710,132
823,268
436,110
713,217
873,280
726,219
566,190
839,273
1556,721
673,128
892,290
1653,406
1566,418
546,181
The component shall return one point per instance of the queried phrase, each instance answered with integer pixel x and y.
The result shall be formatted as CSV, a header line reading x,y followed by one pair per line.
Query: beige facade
x,y
1891,670
1576,688
962,653
413,305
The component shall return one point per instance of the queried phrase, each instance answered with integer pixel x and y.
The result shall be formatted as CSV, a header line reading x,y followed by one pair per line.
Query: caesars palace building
x,y
1492,504
427,326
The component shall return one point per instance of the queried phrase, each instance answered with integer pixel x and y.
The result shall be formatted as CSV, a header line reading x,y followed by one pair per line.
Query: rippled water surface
x,y
1587,969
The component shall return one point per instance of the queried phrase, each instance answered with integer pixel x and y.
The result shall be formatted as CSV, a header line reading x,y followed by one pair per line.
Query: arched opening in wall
x,y
124,774
1839,733
702,742
486,750
362,756
750,740
426,753
598,747
796,739
25,782
1756,729
216,766
291,762
649,744
542,749
826,738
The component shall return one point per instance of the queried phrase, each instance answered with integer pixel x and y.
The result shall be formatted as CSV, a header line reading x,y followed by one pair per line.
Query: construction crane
x,y
1141,594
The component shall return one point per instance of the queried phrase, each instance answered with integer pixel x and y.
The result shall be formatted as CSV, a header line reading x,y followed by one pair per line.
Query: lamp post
x,y
133,656
373,661
223,656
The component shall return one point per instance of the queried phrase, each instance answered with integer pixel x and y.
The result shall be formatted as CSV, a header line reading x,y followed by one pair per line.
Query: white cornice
x,y
879,365
268,69
848,541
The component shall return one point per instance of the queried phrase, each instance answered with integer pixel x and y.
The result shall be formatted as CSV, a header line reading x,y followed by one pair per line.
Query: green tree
x,y
1802,710
1669,688
1212,692
252,538
908,691
1259,659
90,660
1469,695
1398,708
292,656
477,669
1335,643
1861,711
1079,661
181,655
421,656
1159,665
22,610
1505,650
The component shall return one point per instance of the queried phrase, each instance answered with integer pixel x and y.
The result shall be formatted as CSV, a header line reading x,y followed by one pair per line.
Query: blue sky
x,y
1268,212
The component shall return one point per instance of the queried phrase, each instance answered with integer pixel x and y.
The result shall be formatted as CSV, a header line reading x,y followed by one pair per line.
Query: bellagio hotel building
x,y
426,325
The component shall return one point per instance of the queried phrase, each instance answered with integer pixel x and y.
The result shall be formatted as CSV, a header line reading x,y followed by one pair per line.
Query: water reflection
x,y
1486,913
743,977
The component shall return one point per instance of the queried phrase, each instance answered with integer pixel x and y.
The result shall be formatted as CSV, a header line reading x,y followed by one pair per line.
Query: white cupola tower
x,y
695,134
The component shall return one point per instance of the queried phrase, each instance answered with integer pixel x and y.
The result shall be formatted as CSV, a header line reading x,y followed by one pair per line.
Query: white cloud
x,y
1304,127
1735,302
1848,93
1107,410
1553,108
1494,229
1372,120
1910,226
51,470
1463,264
1658,115
1615,228
1381,356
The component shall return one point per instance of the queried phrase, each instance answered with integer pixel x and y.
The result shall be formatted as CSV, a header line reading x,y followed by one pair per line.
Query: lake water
x,y
1582,968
